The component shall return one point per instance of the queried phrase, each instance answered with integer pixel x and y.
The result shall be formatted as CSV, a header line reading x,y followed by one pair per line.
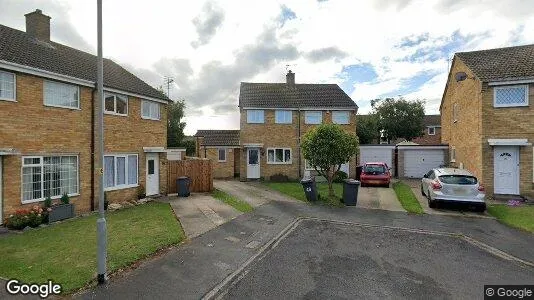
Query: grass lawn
x,y
521,217
236,203
295,190
407,198
66,252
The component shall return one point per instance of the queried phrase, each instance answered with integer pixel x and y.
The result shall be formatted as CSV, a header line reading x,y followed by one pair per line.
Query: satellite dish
x,y
460,76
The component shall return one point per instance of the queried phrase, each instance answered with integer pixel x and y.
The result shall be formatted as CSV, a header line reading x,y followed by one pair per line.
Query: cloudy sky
x,y
370,48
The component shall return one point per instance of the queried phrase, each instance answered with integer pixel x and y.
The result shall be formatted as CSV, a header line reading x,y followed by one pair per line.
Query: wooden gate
x,y
198,170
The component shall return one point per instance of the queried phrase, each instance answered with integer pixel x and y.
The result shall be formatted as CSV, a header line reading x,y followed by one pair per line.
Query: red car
x,y
375,173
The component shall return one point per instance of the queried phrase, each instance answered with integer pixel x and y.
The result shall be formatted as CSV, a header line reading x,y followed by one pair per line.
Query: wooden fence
x,y
198,170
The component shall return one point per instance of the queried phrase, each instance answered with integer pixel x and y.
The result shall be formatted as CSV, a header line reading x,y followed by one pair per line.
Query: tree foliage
x,y
326,148
399,118
175,126
367,128
189,146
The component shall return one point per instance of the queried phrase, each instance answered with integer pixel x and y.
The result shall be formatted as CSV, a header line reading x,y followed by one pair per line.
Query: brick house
x,y
47,122
274,117
223,148
487,117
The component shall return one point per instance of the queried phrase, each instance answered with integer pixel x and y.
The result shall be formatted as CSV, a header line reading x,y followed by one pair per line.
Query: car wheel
x,y
431,203
480,208
362,184
386,185
422,191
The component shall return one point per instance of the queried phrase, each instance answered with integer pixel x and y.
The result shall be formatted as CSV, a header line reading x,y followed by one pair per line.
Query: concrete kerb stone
x,y
222,288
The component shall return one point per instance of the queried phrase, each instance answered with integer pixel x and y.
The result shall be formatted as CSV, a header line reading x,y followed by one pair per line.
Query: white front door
x,y
152,174
506,170
253,163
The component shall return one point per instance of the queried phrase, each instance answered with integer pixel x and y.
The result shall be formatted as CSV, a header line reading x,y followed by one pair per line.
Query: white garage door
x,y
377,154
419,162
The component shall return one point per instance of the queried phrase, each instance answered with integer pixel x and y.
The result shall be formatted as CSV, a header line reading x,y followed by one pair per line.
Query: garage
x,y
378,153
418,160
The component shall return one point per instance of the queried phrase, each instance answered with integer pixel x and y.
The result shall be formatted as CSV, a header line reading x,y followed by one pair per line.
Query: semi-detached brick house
x,y
47,136
487,117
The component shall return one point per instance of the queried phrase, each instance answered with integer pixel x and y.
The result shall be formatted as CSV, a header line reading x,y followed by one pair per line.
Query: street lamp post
x,y
101,221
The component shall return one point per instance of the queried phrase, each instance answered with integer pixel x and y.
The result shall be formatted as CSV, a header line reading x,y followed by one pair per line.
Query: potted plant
x,y
61,211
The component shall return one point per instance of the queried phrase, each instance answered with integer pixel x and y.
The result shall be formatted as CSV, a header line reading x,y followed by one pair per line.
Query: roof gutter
x,y
510,82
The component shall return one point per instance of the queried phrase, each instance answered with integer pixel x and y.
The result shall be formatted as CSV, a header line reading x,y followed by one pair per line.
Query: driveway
x,y
415,184
378,198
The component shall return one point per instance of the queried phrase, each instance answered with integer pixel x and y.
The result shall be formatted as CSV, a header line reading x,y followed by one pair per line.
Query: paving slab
x,y
254,193
378,198
200,213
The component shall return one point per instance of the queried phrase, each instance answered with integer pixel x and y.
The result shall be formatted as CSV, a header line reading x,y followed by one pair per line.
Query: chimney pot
x,y
290,78
38,25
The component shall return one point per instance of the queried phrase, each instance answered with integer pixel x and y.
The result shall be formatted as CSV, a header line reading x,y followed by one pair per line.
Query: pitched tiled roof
x,y
282,95
219,137
18,47
511,63
432,120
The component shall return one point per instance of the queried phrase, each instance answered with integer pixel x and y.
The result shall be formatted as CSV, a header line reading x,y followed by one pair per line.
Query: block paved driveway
x,y
288,249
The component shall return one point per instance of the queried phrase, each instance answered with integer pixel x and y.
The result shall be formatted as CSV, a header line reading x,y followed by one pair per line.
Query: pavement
x,y
450,210
200,213
209,264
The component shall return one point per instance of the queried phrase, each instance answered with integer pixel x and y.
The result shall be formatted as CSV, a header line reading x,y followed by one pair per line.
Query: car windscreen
x,y
458,179
374,169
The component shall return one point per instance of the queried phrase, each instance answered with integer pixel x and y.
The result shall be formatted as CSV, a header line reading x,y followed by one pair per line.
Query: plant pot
x,y
61,212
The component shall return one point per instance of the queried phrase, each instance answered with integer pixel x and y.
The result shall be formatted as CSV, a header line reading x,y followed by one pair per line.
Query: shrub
x,y
141,192
279,178
48,202
24,217
340,177
65,199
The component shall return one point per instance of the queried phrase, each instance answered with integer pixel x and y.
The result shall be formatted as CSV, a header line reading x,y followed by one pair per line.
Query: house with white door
x,y
47,124
487,117
275,116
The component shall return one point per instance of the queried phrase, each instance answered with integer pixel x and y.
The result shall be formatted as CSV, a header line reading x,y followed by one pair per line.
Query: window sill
x,y
279,163
282,123
120,187
151,119
8,100
221,161
312,123
115,114
43,199
255,122
59,106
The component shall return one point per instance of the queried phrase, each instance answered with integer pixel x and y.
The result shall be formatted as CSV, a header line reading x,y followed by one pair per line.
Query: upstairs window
x,y
255,116
510,96
61,94
279,156
7,86
313,117
283,116
116,104
431,130
150,110
341,117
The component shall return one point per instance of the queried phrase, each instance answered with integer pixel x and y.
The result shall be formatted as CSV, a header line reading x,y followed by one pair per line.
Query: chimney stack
x,y
290,78
38,25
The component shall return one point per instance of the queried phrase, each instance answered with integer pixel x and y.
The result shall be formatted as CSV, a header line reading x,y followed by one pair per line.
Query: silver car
x,y
453,185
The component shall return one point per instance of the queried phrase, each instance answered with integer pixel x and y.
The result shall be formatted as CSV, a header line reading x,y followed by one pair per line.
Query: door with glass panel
x,y
152,174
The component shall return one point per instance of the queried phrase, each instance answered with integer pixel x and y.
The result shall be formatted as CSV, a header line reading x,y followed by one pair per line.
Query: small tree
x,y
326,148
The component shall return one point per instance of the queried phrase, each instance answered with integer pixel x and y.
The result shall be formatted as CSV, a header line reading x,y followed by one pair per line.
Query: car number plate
x,y
460,191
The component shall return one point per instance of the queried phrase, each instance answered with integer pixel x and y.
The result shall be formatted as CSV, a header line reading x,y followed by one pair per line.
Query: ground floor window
x,y
222,154
44,176
279,155
120,171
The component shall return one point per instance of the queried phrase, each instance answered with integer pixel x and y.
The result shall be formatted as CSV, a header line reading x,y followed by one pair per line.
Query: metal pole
x,y
101,221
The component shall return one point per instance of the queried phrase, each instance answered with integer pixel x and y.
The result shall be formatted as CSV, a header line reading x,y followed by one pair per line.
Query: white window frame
x,y
255,113
455,112
41,164
284,114
307,167
14,88
338,112
219,154
433,130
283,156
495,89
60,106
115,173
114,112
311,112
452,154
150,103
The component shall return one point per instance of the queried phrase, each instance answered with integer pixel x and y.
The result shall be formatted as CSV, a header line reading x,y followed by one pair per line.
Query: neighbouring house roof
x,y
407,143
219,137
20,48
432,120
283,95
502,64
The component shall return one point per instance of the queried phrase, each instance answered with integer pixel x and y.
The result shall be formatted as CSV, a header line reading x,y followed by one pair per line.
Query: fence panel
x,y
198,170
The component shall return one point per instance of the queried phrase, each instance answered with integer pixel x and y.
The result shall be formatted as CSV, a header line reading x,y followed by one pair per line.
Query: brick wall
x,y
465,133
427,139
224,169
273,135
34,129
